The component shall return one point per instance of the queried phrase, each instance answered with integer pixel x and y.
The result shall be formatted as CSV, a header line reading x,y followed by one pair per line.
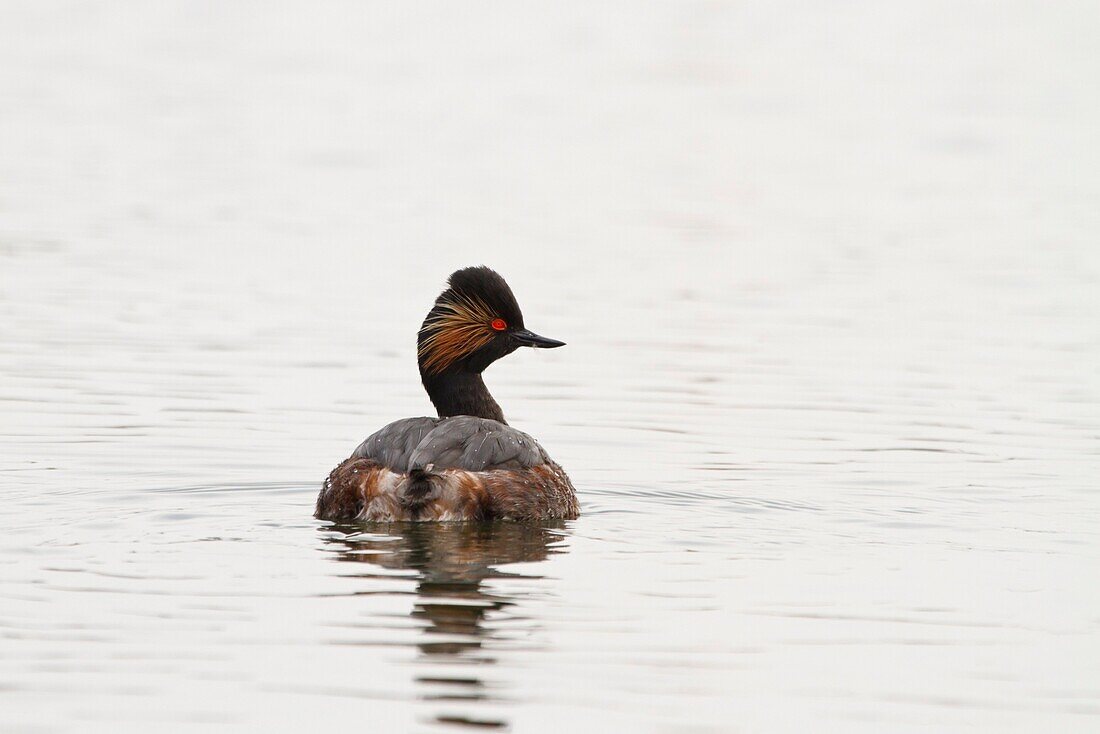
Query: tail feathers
x,y
421,488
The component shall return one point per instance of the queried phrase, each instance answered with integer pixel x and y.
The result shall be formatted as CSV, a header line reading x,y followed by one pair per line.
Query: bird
x,y
466,464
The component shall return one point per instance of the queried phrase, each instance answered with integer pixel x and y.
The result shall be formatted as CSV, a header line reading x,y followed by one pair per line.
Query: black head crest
x,y
485,285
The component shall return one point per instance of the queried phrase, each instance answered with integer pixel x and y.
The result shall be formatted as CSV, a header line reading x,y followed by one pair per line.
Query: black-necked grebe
x,y
467,464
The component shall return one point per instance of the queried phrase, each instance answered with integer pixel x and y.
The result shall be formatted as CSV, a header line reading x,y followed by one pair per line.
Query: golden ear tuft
x,y
461,327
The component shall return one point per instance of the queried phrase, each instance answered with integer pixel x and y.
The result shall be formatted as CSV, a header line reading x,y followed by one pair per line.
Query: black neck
x,y
462,393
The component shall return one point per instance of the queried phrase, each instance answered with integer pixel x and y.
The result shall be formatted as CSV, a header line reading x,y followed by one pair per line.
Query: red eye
x,y
499,324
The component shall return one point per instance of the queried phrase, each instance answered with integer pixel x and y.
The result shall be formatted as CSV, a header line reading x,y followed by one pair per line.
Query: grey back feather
x,y
460,442
392,445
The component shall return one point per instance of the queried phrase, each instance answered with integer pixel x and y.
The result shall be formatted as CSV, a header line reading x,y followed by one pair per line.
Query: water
x,y
830,280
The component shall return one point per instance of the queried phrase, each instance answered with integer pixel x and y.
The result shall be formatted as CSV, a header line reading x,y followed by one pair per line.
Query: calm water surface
x,y
830,279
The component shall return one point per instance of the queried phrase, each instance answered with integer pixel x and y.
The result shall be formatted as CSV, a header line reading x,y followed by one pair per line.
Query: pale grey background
x,y
828,271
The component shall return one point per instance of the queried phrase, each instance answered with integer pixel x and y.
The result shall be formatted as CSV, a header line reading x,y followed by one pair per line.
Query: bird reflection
x,y
452,562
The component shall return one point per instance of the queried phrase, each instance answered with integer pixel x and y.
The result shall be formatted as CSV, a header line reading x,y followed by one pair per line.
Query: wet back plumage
x,y
462,442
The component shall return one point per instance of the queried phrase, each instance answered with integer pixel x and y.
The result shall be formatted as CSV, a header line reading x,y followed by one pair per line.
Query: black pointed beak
x,y
526,338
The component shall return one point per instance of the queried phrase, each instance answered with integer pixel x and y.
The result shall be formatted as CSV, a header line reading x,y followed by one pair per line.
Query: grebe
x,y
467,464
